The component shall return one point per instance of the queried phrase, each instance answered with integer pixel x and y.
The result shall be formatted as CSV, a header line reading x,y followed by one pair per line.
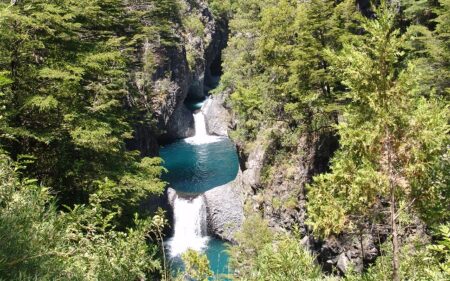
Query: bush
x,y
262,254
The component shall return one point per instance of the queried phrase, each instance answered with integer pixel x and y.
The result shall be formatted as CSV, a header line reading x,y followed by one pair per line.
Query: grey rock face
x,y
257,158
343,263
181,123
217,116
173,77
344,251
173,117
225,213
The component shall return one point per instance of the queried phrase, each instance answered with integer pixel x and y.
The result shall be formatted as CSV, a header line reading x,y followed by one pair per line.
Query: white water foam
x,y
190,226
201,135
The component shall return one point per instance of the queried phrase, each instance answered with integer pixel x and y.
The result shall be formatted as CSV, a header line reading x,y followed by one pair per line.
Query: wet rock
x,y
181,124
217,116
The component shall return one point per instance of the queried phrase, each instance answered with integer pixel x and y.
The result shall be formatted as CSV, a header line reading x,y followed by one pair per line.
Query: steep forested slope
x,y
309,77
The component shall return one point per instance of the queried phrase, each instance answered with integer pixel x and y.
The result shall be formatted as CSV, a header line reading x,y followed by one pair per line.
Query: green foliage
x,y
417,263
41,243
251,240
387,117
441,250
277,67
262,254
197,266
64,78
221,8
301,66
285,259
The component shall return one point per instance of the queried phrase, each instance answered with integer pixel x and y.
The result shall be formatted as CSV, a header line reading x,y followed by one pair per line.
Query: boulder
x,y
181,123
225,210
217,116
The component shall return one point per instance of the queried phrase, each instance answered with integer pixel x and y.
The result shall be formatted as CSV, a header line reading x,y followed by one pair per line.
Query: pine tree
x,y
393,140
39,242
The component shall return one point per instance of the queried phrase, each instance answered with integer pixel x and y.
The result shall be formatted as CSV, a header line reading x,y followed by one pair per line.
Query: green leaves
x,y
263,254
41,242
386,108
197,265
64,77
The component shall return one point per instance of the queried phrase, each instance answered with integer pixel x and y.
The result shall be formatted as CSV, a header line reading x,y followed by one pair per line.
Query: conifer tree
x,y
394,140
64,70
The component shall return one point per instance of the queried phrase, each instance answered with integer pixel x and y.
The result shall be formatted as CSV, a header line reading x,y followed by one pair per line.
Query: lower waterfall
x,y
190,226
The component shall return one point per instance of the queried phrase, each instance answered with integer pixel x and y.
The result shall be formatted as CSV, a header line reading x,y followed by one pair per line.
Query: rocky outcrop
x,y
346,251
225,211
204,47
277,187
217,115
174,119
165,74
181,124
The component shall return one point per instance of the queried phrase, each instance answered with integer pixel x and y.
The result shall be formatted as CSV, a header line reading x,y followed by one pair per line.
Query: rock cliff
x,y
167,72
217,115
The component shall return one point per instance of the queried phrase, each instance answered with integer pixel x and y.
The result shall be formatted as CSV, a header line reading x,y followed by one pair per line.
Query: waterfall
x,y
201,135
200,125
190,226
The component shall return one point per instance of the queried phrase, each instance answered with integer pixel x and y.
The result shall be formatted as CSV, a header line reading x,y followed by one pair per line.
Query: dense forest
x,y
347,102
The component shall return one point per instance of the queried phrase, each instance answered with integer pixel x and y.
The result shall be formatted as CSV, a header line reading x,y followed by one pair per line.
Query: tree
x,y
277,68
39,242
393,139
64,68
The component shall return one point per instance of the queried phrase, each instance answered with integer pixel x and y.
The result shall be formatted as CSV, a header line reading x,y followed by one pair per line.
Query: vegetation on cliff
x,y
69,187
376,77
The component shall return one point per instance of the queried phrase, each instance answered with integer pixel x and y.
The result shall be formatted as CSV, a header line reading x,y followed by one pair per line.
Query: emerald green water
x,y
199,168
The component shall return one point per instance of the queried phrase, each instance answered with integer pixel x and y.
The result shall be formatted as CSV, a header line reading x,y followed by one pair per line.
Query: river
x,y
196,165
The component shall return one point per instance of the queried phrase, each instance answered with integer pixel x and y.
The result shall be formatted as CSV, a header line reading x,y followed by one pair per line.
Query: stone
x,y
218,118
225,210
181,124
343,263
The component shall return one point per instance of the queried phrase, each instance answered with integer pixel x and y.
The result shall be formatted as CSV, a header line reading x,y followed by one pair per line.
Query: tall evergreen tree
x,y
394,140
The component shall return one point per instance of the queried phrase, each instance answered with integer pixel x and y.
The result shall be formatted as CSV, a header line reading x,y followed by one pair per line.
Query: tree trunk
x,y
392,189
361,244
395,247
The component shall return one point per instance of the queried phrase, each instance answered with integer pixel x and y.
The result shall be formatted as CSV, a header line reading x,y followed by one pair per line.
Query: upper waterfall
x,y
201,134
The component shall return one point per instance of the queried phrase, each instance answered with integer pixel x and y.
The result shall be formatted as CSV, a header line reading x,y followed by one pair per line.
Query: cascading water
x,y
190,214
195,165
201,135
190,226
